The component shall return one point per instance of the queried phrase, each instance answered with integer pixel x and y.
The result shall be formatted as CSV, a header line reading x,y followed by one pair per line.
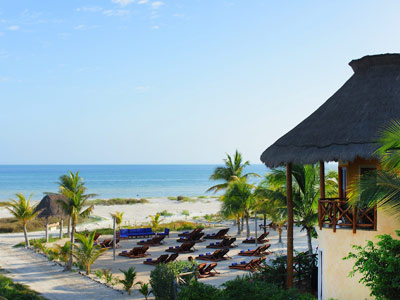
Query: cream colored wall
x,y
336,245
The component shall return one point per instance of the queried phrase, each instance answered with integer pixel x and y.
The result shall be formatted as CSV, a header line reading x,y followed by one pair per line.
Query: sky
x,y
173,81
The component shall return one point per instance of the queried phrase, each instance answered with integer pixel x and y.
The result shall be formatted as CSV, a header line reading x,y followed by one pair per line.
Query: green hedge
x,y
11,290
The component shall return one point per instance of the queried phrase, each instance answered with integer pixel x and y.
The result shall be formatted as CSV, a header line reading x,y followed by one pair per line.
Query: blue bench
x,y
136,233
165,233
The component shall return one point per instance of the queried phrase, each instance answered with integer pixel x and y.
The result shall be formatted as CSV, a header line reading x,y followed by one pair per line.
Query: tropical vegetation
x,y
129,279
23,211
86,252
72,186
118,218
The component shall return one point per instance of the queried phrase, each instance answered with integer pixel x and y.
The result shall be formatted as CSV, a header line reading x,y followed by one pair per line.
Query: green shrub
x,y
163,283
129,278
241,287
11,290
117,201
165,279
199,291
379,266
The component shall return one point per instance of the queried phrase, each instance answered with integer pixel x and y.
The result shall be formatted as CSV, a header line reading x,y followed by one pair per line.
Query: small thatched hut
x,y
50,206
343,129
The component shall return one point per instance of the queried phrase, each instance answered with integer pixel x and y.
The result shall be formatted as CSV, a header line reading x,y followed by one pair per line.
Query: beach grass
x,y
12,290
184,199
118,201
11,225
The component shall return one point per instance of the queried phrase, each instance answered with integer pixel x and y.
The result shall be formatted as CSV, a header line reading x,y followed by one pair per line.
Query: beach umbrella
x,y
50,206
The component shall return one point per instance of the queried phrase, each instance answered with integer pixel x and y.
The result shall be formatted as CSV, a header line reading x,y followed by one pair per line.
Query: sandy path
x,y
46,277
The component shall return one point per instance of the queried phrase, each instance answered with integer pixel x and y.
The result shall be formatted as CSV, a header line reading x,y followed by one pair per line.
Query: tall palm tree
x,y
382,187
86,253
73,188
23,211
240,198
305,194
232,170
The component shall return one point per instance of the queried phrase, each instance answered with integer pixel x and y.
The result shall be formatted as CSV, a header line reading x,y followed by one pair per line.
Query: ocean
x,y
112,181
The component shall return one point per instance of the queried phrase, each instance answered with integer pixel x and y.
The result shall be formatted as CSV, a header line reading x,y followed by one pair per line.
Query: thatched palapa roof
x,y
347,124
50,206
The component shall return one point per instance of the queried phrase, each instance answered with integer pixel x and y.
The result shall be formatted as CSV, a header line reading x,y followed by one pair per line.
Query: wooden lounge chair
x,y
252,265
218,255
136,252
186,247
217,236
260,240
155,241
157,261
187,233
193,237
108,243
172,257
208,271
225,243
96,237
260,251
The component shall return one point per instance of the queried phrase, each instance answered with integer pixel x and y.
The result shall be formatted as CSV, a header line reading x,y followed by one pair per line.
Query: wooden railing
x,y
337,213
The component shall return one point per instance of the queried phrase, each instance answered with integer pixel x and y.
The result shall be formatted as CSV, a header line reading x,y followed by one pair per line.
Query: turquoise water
x,y
109,181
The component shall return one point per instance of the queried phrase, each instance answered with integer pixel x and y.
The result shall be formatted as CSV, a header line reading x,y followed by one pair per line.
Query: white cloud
x,y
156,4
90,8
13,27
123,2
156,27
116,12
84,27
143,1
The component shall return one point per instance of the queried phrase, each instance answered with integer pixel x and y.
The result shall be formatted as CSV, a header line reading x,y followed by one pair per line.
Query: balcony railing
x,y
336,213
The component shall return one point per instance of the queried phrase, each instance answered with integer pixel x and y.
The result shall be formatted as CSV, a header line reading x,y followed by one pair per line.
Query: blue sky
x,y
173,81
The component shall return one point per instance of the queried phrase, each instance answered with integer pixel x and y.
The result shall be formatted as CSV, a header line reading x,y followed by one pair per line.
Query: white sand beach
x,y
49,279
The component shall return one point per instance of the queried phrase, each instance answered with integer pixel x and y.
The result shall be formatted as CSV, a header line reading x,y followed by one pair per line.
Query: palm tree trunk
x,y
241,230
247,225
265,223
69,264
238,224
26,236
69,227
280,234
47,230
309,237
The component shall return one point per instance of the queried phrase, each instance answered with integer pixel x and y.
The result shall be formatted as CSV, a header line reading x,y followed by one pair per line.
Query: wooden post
x,y
61,228
354,219
340,183
321,190
114,237
375,218
289,198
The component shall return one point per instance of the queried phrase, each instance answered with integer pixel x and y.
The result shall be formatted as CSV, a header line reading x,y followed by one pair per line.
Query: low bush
x,y
117,201
199,291
379,265
11,290
166,279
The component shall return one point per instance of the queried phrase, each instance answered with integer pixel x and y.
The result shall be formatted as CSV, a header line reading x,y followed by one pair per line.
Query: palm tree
x,y
240,201
118,218
129,279
23,211
86,253
305,194
232,170
272,203
63,251
382,187
73,188
155,221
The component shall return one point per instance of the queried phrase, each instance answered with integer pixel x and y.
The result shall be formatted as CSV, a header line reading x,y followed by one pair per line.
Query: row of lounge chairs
x,y
155,241
136,252
218,255
260,240
186,247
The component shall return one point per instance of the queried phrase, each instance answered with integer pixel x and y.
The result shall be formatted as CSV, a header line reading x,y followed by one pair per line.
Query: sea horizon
x,y
114,180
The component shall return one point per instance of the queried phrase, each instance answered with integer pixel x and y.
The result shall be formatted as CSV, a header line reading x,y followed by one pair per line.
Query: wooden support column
x,y
340,183
61,228
289,197
321,190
